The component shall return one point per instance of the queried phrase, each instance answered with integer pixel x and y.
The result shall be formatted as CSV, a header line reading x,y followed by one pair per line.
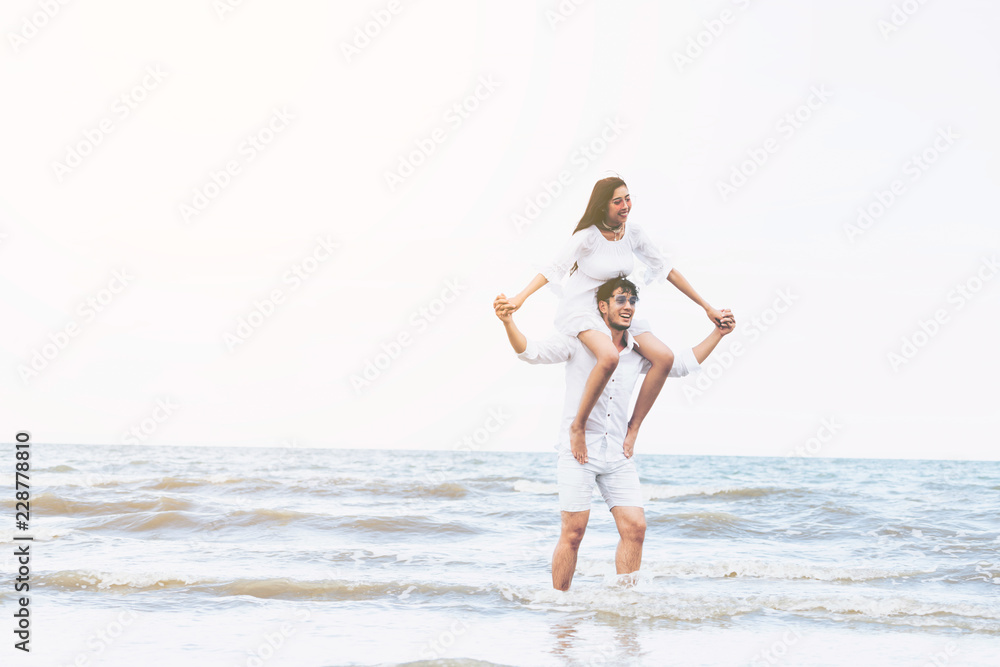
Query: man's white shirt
x,y
608,422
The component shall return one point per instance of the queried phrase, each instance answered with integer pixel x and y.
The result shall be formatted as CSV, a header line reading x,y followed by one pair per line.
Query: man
x,y
607,462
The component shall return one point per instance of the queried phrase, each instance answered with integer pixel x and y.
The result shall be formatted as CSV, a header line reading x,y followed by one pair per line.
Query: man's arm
x,y
689,360
502,308
705,347
553,350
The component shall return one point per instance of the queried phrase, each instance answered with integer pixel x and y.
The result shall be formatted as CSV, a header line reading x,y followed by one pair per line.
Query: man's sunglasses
x,y
620,299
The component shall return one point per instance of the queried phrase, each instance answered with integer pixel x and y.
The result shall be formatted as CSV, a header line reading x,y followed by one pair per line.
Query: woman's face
x,y
618,207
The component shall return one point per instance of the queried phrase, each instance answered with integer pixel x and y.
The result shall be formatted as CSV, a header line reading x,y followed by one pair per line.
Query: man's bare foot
x,y
630,437
630,580
578,443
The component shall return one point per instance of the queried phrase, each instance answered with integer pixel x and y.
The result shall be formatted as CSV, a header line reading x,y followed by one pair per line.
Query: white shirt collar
x,y
629,340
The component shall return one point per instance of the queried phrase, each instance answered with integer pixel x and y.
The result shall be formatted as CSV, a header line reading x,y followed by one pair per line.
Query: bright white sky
x,y
198,81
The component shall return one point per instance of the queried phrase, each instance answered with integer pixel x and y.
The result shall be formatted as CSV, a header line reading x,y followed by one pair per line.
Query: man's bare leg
x,y
564,557
631,522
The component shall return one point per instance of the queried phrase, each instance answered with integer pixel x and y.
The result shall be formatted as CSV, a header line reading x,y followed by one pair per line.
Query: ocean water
x,y
222,556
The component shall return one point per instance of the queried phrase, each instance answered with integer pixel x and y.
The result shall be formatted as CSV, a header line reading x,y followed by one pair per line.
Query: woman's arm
x,y
681,283
578,245
536,284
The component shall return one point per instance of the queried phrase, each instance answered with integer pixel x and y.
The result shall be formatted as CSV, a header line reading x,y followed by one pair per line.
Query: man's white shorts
x,y
617,480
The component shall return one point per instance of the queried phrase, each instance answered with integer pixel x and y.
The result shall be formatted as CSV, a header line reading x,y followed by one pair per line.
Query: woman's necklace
x,y
614,231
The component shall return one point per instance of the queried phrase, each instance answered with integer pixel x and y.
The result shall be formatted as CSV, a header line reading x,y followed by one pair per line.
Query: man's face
x,y
619,309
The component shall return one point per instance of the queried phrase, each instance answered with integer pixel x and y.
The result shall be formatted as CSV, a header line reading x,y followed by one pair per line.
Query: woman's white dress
x,y
599,260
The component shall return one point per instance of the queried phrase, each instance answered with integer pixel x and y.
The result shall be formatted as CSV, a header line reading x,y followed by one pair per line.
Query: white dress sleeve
x,y
657,263
579,245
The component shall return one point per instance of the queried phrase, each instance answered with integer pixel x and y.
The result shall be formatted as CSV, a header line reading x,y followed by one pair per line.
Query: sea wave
x,y
646,600
667,491
760,569
38,534
146,521
705,519
219,479
664,491
681,605
59,468
271,587
406,524
52,504
414,490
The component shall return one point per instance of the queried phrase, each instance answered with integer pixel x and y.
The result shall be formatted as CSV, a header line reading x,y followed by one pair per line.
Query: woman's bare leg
x,y
604,349
662,359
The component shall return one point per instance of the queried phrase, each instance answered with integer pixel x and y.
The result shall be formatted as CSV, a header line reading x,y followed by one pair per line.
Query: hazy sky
x,y
284,224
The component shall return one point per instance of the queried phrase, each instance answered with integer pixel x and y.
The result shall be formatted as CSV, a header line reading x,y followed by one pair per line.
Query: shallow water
x,y
223,556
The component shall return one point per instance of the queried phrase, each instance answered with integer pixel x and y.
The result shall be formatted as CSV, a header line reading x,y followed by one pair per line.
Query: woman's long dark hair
x,y
597,207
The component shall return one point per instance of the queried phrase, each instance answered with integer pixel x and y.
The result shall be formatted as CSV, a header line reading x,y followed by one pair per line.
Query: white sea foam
x,y
528,486
644,601
758,569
